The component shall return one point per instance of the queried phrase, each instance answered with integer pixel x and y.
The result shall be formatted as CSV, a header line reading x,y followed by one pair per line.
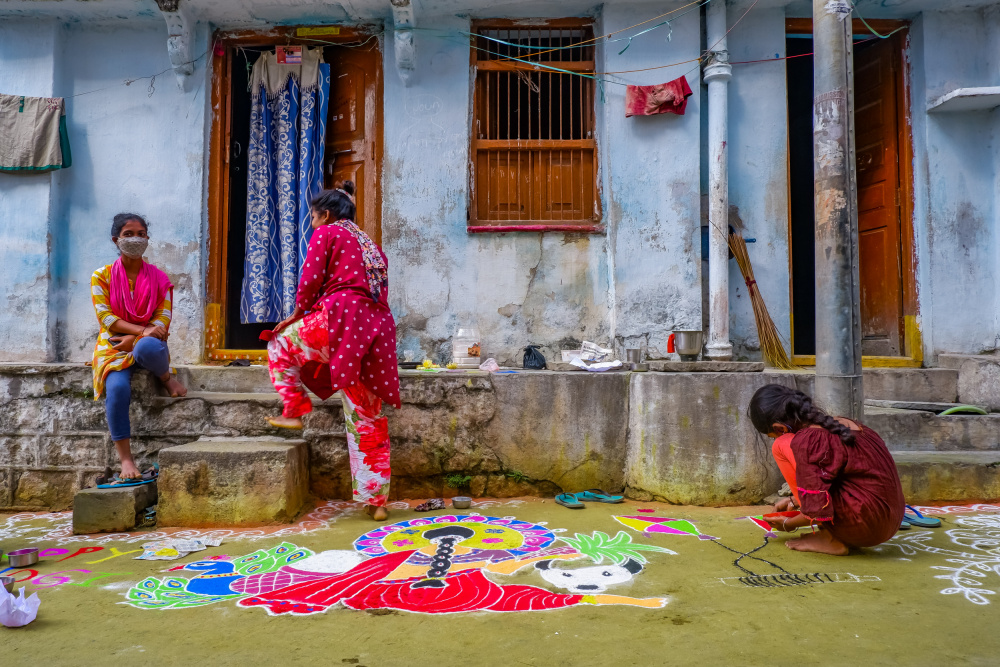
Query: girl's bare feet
x,y
821,542
173,386
129,470
285,422
377,513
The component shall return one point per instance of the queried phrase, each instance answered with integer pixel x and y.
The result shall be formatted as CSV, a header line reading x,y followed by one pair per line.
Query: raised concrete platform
x,y
936,408
232,482
706,366
932,477
978,378
680,436
111,510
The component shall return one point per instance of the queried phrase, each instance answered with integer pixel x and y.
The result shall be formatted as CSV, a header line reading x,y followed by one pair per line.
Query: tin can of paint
x,y
7,583
22,557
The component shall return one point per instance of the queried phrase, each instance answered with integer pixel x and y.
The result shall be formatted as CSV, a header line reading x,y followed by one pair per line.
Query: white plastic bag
x,y
18,611
490,365
596,367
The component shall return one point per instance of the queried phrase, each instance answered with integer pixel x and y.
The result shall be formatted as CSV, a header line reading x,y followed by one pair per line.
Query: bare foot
x,y
285,422
821,542
174,386
377,513
129,471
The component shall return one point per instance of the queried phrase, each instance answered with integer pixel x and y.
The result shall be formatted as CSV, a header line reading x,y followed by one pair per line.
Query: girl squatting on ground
x,y
842,477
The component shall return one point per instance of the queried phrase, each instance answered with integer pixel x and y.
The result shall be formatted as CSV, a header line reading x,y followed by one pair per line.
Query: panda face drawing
x,y
589,580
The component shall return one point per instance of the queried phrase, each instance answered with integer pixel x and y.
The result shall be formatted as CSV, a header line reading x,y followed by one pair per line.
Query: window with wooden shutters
x,y
534,154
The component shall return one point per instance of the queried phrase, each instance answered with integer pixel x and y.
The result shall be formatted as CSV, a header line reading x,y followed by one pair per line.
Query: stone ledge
x,y
216,398
706,366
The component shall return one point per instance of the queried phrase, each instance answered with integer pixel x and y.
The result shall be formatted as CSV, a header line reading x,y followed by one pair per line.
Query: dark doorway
x,y
800,176
878,130
353,151
239,336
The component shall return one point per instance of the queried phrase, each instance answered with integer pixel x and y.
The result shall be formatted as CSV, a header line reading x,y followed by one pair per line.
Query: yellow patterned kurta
x,y
106,358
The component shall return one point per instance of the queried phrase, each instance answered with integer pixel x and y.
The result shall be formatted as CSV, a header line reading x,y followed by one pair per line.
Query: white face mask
x,y
133,246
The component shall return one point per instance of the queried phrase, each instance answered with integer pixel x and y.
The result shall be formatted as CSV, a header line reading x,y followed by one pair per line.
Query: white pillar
x,y
717,75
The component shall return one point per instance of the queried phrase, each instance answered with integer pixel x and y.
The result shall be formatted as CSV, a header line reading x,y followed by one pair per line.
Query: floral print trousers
x,y
367,430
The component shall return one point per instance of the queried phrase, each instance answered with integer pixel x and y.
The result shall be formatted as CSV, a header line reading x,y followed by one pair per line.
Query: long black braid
x,y
775,403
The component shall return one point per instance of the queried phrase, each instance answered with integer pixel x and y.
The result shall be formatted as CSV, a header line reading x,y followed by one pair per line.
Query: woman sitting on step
x,y
341,337
132,299
842,476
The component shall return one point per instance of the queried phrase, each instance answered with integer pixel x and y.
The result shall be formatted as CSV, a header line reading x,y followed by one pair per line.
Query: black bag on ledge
x,y
533,359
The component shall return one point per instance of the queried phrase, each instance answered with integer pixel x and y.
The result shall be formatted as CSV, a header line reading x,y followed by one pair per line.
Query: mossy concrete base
x,y
233,482
932,477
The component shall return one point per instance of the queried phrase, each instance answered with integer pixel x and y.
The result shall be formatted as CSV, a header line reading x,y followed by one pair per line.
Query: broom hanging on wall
x,y
770,342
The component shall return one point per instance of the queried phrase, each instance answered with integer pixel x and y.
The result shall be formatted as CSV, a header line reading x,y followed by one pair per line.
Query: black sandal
x,y
430,505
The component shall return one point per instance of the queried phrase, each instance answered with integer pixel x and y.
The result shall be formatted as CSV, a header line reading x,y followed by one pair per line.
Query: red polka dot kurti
x,y
362,331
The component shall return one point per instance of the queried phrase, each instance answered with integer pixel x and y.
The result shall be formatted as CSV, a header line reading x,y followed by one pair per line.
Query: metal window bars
x,y
533,144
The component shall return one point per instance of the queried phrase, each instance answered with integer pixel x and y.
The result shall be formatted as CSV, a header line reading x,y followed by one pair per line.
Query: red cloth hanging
x,y
668,97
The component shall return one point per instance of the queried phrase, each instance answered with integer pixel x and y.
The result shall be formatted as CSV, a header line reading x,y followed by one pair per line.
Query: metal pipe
x,y
718,71
838,300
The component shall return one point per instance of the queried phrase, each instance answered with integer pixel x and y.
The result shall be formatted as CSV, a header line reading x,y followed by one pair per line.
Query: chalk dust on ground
x,y
896,610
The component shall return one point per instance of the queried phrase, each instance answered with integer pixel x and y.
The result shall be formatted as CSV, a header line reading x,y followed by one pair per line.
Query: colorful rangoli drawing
x,y
656,524
436,565
759,522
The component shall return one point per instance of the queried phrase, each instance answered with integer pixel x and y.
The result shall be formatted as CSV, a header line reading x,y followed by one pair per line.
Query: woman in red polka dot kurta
x,y
341,337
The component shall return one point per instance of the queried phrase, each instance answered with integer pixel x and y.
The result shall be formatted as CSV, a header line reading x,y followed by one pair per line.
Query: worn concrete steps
x,y
957,476
233,482
917,430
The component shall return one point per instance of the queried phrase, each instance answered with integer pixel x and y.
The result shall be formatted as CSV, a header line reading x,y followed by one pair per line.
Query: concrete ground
x,y
925,598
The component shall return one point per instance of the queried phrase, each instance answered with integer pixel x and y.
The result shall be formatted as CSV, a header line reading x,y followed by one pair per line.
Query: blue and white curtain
x,y
285,170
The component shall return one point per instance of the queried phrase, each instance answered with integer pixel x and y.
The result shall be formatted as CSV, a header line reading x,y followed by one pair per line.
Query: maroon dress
x,y
853,490
362,331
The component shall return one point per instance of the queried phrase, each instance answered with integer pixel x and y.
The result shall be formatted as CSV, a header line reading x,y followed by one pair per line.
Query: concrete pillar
x,y
717,74
838,300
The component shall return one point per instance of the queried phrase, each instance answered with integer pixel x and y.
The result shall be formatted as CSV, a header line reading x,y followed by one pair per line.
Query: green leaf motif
x,y
619,549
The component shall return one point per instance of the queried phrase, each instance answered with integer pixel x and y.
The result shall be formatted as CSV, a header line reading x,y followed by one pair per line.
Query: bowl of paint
x,y
461,502
782,515
22,557
7,583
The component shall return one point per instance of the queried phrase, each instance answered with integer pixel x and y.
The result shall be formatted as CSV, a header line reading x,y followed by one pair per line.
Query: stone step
x,y
935,477
918,430
111,510
978,378
218,398
936,408
933,385
233,482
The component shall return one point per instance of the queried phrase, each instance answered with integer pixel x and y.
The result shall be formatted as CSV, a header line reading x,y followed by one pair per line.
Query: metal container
x,y
639,368
22,557
7,583
461,502
633,355
688,344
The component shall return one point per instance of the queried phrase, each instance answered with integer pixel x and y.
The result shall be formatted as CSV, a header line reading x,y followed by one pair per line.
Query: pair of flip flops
x,y
111,480
574,501
915,518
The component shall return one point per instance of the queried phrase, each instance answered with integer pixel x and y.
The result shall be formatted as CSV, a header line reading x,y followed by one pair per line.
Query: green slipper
x,y
918,519
569,500
598,496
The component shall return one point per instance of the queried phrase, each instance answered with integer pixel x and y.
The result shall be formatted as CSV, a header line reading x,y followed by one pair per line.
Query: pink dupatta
x,y
138,306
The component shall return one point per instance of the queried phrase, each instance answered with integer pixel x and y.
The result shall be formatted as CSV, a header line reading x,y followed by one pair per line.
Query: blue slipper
x,y
598,496
918,519
569,500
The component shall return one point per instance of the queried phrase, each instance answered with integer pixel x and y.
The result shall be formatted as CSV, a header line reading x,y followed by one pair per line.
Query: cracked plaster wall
x,y
956,218
134,149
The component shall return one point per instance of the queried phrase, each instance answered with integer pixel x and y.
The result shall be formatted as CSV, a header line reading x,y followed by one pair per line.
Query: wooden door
x,y
876,100
353,146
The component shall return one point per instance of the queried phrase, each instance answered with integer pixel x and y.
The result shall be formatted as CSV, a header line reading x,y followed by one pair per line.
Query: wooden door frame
x,y
223,44
913,351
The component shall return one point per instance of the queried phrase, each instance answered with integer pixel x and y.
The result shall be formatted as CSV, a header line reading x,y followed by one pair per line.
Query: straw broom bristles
x,y
770,342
